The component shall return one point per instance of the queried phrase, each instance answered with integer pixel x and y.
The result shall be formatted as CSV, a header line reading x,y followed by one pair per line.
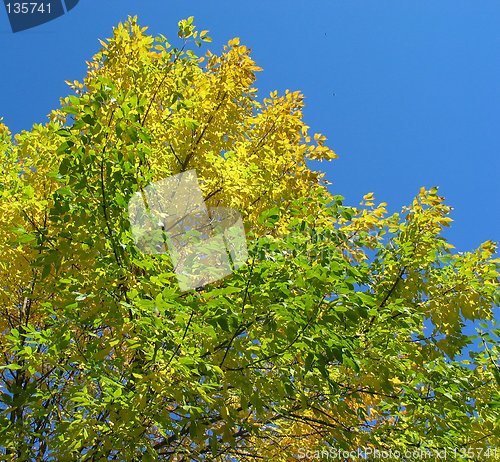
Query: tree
x,y
344,330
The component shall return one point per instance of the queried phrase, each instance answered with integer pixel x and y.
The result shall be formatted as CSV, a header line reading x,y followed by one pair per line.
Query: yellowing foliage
x,y
344,330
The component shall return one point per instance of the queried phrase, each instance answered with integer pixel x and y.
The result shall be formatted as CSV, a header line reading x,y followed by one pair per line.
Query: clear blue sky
x,y
408,92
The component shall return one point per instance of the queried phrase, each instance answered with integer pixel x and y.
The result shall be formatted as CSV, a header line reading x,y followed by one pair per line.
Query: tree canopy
x,y
345,329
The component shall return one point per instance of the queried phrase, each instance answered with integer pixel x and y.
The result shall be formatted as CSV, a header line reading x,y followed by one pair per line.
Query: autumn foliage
x,y
344,330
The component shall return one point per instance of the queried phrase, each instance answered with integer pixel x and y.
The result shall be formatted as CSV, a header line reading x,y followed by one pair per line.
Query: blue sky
x,y
407,92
